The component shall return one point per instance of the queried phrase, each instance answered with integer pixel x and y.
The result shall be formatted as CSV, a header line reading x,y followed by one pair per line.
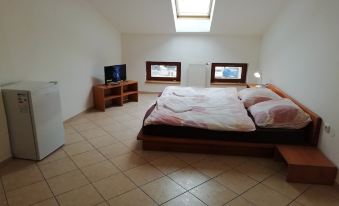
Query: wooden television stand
x,y
115,94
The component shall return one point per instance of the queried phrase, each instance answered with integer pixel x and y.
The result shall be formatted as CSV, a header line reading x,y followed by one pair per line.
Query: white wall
x,y
64,40
188,49
300,54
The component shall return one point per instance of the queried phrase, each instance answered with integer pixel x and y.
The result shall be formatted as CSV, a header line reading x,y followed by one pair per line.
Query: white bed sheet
x,y
207,108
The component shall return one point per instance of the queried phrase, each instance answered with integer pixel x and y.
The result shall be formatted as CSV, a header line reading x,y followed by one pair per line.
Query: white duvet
x,y
207,108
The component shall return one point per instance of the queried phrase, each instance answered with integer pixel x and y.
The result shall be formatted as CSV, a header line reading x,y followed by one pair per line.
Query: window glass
x,y
192,8
227,72
163,71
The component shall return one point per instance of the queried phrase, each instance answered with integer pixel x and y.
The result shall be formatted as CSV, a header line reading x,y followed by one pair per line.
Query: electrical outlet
x,y
327,127
332,132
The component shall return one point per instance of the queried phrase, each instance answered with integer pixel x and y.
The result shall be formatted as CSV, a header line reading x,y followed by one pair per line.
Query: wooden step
x,y
307,165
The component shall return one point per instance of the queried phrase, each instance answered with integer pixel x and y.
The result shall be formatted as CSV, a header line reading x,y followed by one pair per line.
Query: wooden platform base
x,y
307,165
205,146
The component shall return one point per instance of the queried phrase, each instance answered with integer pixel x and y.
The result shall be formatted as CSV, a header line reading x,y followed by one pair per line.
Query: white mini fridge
x,y
33,111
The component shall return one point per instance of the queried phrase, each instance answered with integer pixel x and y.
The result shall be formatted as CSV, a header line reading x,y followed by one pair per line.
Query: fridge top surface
x,y
27,85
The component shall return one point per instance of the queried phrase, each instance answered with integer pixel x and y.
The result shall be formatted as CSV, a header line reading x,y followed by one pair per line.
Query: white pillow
x,y
281,113
251,96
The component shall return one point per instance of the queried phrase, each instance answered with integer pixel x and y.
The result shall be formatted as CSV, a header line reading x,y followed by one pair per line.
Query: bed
x,y
257,141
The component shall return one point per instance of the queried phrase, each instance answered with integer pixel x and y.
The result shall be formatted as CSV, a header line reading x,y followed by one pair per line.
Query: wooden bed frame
x,y
166,143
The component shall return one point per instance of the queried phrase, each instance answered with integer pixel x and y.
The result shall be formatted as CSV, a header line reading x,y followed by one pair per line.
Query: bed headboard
x,y
313,129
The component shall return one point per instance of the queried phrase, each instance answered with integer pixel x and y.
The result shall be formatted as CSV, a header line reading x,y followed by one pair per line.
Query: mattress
x,y
206,108
260,135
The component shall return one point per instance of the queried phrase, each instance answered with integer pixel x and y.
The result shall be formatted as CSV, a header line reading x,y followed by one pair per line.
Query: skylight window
x,y
193,8
193,15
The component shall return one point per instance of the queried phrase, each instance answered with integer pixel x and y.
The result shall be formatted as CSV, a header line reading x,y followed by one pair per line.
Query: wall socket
x,y
327,127
329,130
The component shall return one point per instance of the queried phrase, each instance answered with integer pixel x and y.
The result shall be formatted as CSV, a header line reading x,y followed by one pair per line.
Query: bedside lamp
x,y
258,76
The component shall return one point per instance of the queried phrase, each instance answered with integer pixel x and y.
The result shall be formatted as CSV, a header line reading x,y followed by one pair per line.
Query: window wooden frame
x,y
195,16
243,73
149,71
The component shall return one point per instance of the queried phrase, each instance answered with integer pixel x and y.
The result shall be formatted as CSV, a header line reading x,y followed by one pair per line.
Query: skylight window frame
x,y
194,16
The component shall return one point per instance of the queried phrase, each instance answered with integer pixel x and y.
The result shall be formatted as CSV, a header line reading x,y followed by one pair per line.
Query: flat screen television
x,y
115,73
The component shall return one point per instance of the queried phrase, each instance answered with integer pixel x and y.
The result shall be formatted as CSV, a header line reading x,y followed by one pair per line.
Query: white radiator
x,y
197,75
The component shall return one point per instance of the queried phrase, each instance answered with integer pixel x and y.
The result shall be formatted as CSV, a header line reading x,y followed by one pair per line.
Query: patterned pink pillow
x,y
281,113
252,96
260,117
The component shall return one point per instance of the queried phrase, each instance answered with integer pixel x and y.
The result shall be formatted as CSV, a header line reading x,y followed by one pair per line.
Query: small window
x,y
193,8
228,72
193,15
163,71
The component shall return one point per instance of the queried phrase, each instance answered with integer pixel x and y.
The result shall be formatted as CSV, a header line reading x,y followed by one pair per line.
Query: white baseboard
x,y
147,92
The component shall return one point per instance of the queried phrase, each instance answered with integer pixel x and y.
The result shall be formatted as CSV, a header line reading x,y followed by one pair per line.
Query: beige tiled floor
x,y
103,164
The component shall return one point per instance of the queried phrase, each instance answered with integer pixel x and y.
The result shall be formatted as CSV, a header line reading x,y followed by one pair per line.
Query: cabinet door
x,y
48,123
20,125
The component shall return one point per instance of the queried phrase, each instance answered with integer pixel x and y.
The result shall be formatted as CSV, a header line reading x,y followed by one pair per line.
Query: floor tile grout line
x,y
183,194
188,165
99,127
122,174
308,186
31,183
140,186
242,198
111,160
238,195
60,174
258,183
148,162
78,168
162,176
55,195
90,183
166,175
3,188
277,190
45,180
171,180
188,190
247,175
295,199
213,178
89,165
160,171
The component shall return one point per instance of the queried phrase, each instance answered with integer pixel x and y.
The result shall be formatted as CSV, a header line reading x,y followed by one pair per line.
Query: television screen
x,y
121,69
115,73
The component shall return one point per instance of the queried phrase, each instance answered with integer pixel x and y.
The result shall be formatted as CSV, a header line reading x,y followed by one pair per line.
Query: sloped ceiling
x,y
232,17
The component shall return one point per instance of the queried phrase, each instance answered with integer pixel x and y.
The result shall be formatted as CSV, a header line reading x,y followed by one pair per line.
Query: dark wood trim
x,y
307,165
114,94
243,72
205,146
150,78
161,82
313,128
228,84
